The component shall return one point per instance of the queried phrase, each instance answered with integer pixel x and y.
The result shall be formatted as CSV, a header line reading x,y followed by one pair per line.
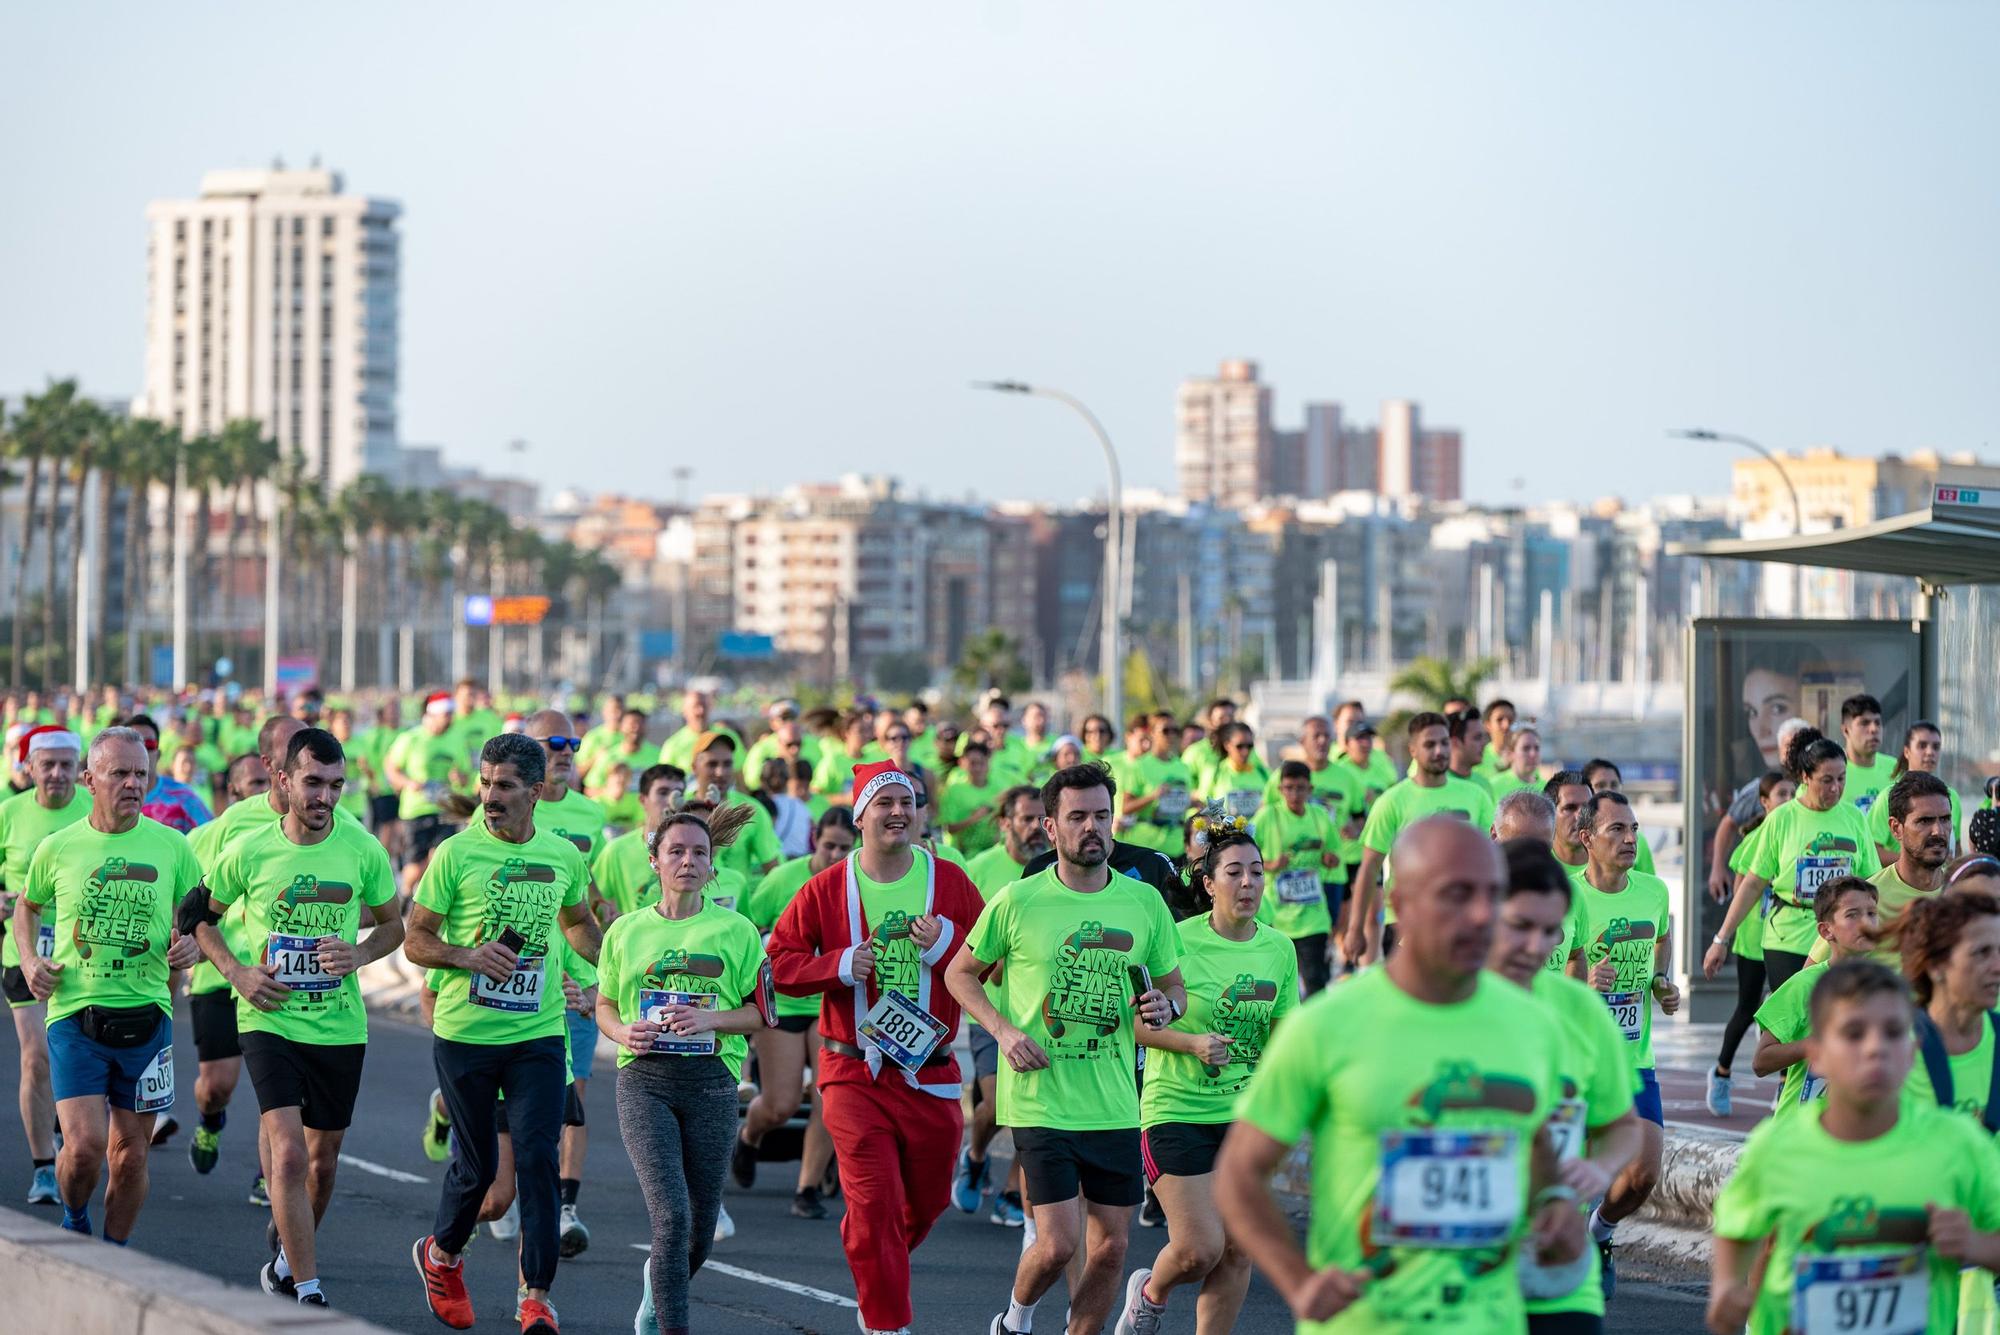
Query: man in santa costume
x,y
874,934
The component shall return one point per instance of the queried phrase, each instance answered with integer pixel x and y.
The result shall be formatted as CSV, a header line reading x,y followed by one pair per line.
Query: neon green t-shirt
x,y
596,742
24,823
1406,804
1066,983
111,899
1785,1016
715,952
1878,817
1816,846
678,750
480,885
886,910
726,889
756,845
1338,789
430,758
1867,782
1239,989
833,773
624,872
1505,782
1309,841
251,816
993,871
1817,1196
1575,920
574,817
1971,1077
596,769
1370,781
304,890
1596,1072
1626,927
1749,940
960,799
1201,760
1360,1065
1161,826
1240,790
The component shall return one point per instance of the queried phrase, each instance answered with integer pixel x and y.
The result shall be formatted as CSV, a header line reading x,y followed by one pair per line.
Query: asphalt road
x,y
776,1274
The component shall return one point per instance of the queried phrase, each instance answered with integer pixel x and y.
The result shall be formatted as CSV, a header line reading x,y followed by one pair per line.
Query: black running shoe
x,y
314,1300
806,1204
743,1163
267,1280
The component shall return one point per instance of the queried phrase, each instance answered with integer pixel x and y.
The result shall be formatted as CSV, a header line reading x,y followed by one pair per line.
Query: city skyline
x,y
814,291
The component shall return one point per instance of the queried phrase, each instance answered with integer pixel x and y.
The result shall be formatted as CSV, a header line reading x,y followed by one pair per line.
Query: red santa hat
x,y
47,737
439,702
872,779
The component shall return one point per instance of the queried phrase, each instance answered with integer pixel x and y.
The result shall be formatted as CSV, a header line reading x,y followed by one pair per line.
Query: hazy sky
x,y
773,242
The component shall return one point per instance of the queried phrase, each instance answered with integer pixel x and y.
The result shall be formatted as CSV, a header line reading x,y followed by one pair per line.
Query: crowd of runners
x,y
1174,960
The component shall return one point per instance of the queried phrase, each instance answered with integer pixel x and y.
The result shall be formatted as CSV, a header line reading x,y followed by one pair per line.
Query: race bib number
x,y
727,903
1814,873
297,958
521,993
155,1092
1243,802
1172,806
1448,1188
1812,1087
1298,885
1628,1009
653,1006
901,1030
1566,1129
1862,1294
45,941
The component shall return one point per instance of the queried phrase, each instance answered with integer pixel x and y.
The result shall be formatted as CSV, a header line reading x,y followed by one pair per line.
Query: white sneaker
x,y
508,1226
870,1330
725,1227
574,1236
1140,1315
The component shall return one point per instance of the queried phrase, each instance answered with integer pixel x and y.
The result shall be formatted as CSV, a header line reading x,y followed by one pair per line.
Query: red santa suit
x,y
895,1132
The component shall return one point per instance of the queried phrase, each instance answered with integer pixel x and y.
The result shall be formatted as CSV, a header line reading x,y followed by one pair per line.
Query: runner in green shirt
x,y
1371,774
1498,716
622,871
109,884
1237,780
606,733
622,811
425,765
485,915
1157,789
51,757
1868,1203
971,800
1242,979
1923,745
1846,915
1335,787
1809,841
1869,772
1084,955
1428,1066
1524,762
1627,942
1774,789
1434,791
785,1050
1601,775
1203,756
679,750
303,882
1596,1112
713,779
1302,871
627,746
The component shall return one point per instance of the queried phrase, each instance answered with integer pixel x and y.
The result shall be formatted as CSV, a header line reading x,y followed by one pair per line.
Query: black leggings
x,y
1749,996
1313,968
1780,965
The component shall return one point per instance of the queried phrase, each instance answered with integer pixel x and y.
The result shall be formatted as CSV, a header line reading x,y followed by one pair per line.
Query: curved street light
x,y
1108,647
1798,515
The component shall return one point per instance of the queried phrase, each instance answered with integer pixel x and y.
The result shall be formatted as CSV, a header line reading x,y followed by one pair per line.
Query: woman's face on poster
x,y
1769,698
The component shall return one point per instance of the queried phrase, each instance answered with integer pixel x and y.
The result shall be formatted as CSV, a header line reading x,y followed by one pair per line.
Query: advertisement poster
x,y
1747,677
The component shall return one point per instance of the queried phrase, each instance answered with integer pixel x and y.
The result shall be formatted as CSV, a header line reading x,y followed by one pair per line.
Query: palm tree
x,y
49,427
93,443
250,457
206,470
1432,681
141,453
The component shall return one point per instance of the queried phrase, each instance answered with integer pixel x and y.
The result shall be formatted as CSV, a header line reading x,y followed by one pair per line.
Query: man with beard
x,y
1083,955
1920,824
872,934
1021,839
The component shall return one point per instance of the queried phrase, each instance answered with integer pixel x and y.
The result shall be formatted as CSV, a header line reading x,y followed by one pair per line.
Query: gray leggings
x,y
678,1116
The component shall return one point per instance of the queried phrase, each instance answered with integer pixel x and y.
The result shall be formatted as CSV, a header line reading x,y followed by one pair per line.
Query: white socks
x,y
1018,1317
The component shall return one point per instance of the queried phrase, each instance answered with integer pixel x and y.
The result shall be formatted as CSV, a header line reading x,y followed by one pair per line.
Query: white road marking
x,y
393,1174
770,1281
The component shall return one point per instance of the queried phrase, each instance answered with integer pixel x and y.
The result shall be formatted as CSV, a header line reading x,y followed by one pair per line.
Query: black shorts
x,y
382,811
425,833
321,1080
213,1015
797,1024
1181,1149
14,986
1105,1166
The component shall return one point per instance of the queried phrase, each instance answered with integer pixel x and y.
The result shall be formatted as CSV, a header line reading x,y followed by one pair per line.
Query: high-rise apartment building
x,y
1401,430
273,296
1439,465
1222,437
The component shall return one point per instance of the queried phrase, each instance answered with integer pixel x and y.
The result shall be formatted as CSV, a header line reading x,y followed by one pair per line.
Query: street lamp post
x,y
1798,514
1109,652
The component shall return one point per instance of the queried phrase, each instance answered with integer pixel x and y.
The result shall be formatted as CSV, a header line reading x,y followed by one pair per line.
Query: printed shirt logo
x,y
1628,944
115,918
1827,842
683,971
525,896
310,906
1088,988
1857,1220
1461,1085
582,841
898,962
1243,1013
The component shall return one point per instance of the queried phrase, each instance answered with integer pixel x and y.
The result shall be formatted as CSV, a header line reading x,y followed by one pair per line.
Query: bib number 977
x,y
1879,1294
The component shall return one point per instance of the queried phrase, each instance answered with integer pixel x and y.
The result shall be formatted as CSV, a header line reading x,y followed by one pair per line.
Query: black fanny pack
x,y
119,1026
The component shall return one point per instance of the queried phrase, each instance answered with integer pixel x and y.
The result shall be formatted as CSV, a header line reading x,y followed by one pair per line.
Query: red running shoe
x,y
538,1318
444,1287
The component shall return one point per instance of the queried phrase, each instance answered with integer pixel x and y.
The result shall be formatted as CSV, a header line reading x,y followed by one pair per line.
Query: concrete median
x,y
57,1281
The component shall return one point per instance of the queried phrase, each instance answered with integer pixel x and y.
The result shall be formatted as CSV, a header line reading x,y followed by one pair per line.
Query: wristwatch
x,y
1174,1010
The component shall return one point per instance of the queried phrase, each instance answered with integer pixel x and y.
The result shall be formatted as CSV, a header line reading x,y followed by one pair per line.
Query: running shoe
x,y
1609,1272
575,1237
260,1192
1718,1093
1000,1327
205,1149
644,1322
1141,1315
508,1226
1150,1213
444,1287
725,1227
314,1299
743,1163
968,1185
437,1130
272,1240
1007,1210
806,1204
42,1191
538,1318
277,1286
163,1131
867,1329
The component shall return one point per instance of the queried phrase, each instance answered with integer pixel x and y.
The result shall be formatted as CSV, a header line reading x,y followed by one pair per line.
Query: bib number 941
x,y
1448,1188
